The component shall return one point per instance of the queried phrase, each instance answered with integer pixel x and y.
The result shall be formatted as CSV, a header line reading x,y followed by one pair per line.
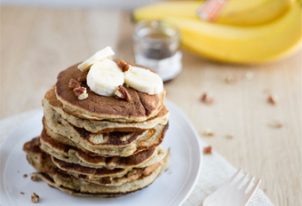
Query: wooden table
x,y
37,43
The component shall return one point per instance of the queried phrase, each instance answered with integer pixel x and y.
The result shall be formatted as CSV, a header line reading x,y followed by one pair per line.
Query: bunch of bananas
x,y
244,31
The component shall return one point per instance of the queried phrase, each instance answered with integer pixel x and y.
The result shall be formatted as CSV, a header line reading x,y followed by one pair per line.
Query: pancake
x,y
110,144
96,107
63,181
52,106
99,145
72,154
111,180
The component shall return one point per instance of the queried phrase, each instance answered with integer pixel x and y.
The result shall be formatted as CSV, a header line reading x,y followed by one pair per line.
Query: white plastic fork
x,y
237,191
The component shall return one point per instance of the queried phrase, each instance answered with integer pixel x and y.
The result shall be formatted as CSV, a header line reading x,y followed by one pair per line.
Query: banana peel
x,y
235,12
266,11
247,45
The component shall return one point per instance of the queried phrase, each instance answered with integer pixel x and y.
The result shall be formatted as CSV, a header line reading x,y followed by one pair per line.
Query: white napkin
x,y
215,171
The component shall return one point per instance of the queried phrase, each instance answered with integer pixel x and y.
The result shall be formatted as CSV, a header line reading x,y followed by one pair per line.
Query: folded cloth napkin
x,y
214,172
215,169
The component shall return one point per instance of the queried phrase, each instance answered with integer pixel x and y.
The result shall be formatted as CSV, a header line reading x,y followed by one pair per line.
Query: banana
x,y
143,80
235,12
107,52
104,77
247,45
265,12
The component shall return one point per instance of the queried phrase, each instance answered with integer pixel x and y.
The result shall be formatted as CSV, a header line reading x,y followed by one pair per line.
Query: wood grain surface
x,y
261,138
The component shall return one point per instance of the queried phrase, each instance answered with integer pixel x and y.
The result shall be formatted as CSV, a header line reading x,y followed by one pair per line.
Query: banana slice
x,y
143,80
104,77
105,53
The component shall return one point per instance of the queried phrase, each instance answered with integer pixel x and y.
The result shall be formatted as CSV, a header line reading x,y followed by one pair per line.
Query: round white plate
x,y
171,188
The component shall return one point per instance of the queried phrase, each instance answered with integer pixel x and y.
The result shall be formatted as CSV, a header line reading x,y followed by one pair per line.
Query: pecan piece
x,y
81,93
35,198
122,64
208,133
35,177
207,150
272,100
206,99
275,124
122,93
73,83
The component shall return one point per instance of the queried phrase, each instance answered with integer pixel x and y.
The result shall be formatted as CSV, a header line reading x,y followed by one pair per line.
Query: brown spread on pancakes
x,y
56,105
142,104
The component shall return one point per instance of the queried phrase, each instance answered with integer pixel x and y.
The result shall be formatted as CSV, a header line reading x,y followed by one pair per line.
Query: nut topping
x,y
206,99
35,198
81,93
207,150
272,100
122,64
35,177
208,133
275,124
122,93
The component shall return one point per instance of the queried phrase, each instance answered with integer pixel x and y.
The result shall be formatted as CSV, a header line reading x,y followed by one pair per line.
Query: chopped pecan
x,y
35,177
81,93
276,124
207,150
208,133
122,93
205,98
122,64
272,100
35,198
73,83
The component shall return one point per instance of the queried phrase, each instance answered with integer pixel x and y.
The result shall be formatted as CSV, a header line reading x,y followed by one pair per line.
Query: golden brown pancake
x,y
73,154
96,107
108,186
110,144
52,107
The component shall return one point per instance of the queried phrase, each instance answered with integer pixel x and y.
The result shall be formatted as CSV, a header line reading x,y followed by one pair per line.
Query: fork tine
x,y
233,178
254,188
240,181
248,184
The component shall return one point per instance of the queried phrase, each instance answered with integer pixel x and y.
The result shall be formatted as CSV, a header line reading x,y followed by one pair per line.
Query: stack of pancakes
x,y
100,145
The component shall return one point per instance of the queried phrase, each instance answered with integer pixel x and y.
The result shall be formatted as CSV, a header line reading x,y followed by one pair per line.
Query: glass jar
x,y
156,46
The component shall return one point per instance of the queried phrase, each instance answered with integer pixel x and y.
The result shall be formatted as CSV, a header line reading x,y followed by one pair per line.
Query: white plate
x,y
171,188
